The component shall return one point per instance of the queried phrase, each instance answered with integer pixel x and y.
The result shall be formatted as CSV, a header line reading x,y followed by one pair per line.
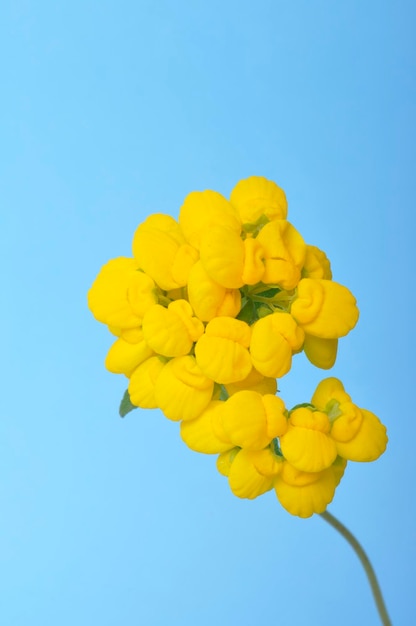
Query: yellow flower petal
x,y
304,494
142,383
316,264
368,444
284,253
172,331
209,299
222,352
225,460
121,294
320,352
324,308
253,382
244,479
257,196
182,391
274,339
307,444
222,255
251,420
199,435
203,210
123,357
327,391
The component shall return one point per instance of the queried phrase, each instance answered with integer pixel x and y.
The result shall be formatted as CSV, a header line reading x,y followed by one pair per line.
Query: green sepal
x,y
304,405
126,405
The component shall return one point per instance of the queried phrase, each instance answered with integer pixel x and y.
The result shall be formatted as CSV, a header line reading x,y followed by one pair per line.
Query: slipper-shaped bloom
x,y
210,299
121,294
250,420
304,493
320,352
275,338
256,196
253,382
316,264
284,254
200,435
182,390
143,380
324,308
172,331
203,210
222,352
162,251
244,478
307,444
123,357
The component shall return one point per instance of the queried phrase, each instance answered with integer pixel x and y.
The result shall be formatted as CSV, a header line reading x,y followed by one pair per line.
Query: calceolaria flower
x,y
208,313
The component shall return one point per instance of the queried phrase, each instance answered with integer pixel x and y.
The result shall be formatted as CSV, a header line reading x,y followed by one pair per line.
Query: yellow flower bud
x,y
222,352
284,253
324,308
274,339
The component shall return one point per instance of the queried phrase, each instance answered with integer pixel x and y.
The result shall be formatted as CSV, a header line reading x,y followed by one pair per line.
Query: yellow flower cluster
x,y
208,313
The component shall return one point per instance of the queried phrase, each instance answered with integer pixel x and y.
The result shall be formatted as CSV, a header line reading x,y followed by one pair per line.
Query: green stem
x,y
365,561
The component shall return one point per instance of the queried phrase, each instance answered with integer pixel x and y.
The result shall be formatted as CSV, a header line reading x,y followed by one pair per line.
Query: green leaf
x,y
125,405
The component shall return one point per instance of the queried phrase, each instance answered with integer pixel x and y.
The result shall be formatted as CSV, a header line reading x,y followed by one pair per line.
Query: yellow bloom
x,y
316,264
284,254
121,294
172,331
256,196
182,391
303,493
203,210
307,444
250,420
320,352
210,299
142,382
123,356
222,352
200,435
274,339
244,478
324,308
162,251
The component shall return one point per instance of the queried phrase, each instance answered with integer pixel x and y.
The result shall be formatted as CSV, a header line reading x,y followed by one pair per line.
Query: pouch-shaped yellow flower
x,y
222,352
162,251
251,420
284,253
274,339
182,391
121,294
201,211
245,480
123,357
320,352
329,390
222,256
316,264
368,444
172,331
210,299
303,493
324,308
307,444
142,382
199,433
256,196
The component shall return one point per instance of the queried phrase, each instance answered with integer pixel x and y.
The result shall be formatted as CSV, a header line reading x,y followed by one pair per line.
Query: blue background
x,y
113,110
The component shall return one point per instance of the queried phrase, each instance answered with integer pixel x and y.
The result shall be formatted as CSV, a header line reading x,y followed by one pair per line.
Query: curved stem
x,y
365,561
